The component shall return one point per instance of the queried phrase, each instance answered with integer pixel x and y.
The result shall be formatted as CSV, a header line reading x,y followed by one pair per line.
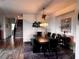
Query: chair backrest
x,y
49,34
53,35
39,33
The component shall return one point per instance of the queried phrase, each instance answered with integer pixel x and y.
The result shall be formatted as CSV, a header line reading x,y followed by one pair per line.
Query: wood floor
x,y
21,50
10,51
15,53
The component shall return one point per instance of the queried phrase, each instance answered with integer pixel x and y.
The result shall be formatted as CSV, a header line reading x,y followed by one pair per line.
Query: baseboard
x,y
29,42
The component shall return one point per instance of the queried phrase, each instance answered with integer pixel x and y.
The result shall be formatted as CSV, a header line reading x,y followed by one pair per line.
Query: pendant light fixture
x,y
43,23
36,23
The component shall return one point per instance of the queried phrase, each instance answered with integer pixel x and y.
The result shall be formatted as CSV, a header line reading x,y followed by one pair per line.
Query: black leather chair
x,y
53,43
35,46
66,42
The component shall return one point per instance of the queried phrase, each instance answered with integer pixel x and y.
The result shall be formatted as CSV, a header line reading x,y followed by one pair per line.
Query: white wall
x,y
77,37
8,27
27,27
51,25
54,25
73,22
28,30
2,22
77,32
53,20
73,25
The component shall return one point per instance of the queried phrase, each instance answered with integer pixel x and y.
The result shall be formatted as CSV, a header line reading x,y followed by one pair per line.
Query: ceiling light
x,y
42,23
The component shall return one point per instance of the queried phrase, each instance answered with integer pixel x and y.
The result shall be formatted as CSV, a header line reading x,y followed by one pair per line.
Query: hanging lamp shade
x,y
36,24
44,16
42,23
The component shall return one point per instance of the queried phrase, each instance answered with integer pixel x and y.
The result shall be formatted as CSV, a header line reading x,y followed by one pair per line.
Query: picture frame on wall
x,y
66,25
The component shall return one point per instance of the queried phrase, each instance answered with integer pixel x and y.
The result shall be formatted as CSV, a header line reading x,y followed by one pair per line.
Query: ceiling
x,y
33,6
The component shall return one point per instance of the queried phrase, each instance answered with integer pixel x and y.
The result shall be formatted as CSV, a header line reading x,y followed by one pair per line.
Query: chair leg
x,y
56,54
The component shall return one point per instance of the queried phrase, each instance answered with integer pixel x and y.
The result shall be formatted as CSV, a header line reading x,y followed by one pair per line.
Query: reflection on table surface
x,y
42,40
